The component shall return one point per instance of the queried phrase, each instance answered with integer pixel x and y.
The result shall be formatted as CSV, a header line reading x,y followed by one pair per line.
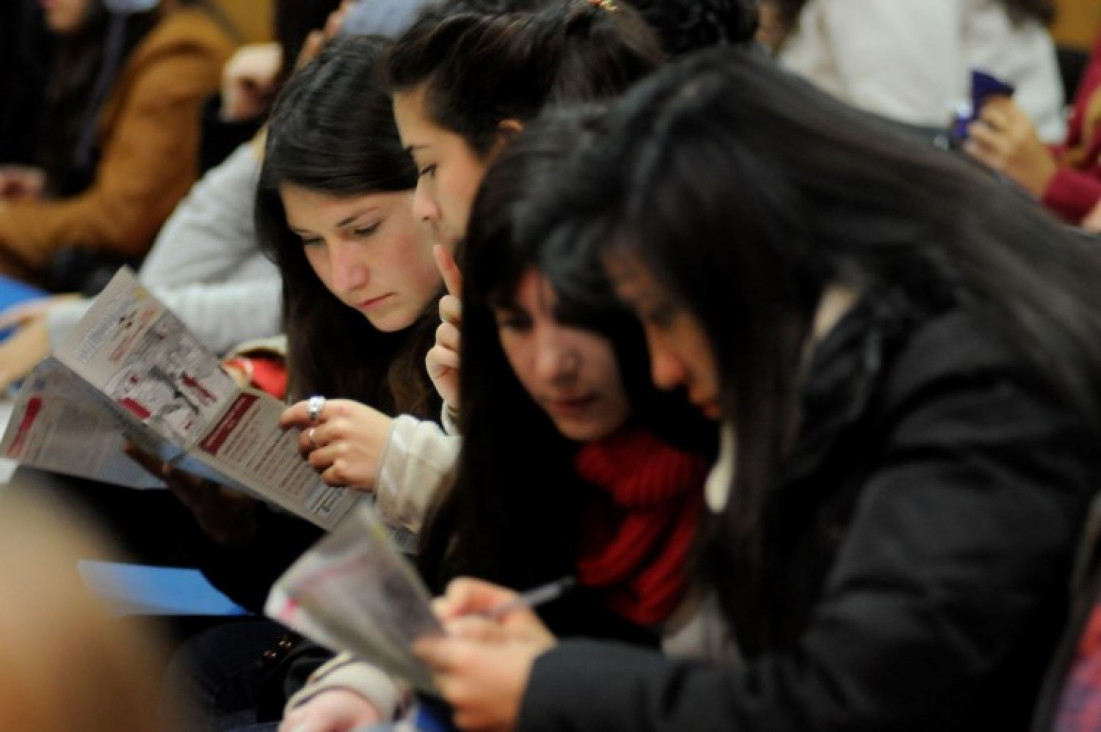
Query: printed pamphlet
x,y
131,372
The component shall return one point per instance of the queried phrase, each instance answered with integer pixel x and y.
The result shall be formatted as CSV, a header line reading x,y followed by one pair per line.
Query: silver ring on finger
x,y
314,407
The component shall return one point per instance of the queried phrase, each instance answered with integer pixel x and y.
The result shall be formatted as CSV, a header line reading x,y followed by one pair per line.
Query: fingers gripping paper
x,y
353,591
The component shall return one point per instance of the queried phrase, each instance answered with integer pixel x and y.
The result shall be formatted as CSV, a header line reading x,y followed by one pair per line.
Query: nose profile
x,y
666,370
555,358
349,272
424,205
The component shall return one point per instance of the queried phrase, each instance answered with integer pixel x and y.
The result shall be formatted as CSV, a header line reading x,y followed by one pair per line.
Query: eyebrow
x,y
340,224
356,216
410,149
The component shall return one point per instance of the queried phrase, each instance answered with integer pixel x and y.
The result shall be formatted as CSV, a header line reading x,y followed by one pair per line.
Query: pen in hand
x,y
532,598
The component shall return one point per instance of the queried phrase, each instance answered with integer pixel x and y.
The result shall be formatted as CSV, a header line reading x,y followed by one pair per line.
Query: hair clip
x,y
608,5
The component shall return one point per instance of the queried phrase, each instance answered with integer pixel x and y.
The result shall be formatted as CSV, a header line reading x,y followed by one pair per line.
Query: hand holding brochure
x,y
131,372
353,591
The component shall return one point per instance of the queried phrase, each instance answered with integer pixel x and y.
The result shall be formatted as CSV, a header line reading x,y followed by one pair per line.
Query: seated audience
x,y
206,264
571,464
908,366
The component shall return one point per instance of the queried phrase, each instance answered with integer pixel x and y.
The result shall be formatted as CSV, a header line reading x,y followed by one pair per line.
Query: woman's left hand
x,y
1004,139
346,442
482,665
21,183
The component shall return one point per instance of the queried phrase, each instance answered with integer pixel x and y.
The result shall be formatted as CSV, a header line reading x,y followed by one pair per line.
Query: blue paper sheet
x,y
139,589
13,292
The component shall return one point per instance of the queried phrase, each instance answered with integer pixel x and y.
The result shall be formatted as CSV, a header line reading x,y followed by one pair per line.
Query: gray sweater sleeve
x,y
206,265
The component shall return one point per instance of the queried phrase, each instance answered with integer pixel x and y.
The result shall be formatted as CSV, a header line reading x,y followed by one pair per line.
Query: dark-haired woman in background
x,y
121,134
908,60
908,364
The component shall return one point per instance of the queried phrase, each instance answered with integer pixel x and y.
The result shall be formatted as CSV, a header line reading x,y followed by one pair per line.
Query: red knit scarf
x,y
637,532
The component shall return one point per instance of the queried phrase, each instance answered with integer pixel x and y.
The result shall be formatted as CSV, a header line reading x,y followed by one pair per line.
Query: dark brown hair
x,y
480,68
332,132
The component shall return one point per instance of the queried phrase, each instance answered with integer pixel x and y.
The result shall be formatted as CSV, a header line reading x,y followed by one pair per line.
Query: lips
x,y
373,302
569,407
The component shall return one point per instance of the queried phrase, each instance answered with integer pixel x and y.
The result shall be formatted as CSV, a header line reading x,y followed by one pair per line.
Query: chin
x,y
391,322
585,432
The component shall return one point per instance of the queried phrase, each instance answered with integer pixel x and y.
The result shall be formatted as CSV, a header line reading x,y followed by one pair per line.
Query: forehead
x,y
304,205
630,275
534,291
411,112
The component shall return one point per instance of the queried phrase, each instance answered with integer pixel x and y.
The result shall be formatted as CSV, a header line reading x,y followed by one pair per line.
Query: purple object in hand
x,y
983,86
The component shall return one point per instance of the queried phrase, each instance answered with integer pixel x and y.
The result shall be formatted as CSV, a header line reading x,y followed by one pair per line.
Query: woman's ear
x,y
507,130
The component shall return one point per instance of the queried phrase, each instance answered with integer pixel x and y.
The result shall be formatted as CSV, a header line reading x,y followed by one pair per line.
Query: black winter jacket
x,y
926,524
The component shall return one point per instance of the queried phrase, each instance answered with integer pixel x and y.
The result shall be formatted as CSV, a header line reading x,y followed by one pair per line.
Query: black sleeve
x,y
246,573
960,545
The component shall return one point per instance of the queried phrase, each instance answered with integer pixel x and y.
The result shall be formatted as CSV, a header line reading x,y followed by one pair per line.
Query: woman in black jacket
x,y
907,361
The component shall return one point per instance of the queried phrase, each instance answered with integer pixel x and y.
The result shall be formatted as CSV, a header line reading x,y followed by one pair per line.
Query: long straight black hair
x,y
513,512
748,192
332,132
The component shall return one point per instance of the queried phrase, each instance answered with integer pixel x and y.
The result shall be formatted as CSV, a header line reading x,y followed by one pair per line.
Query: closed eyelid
x,y
359,227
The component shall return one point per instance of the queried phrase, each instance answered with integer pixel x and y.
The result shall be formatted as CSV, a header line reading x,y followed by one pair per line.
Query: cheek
x,y
319,263
415,268
697,353
67,16
619,405
457,189
517,352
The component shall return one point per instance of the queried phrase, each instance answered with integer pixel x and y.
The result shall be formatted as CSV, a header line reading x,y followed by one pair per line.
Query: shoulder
x,y
180,59
186,29
957,343
906,373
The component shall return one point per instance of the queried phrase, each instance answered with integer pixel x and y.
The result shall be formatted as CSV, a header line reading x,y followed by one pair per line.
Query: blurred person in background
x,y
120,134
909,59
